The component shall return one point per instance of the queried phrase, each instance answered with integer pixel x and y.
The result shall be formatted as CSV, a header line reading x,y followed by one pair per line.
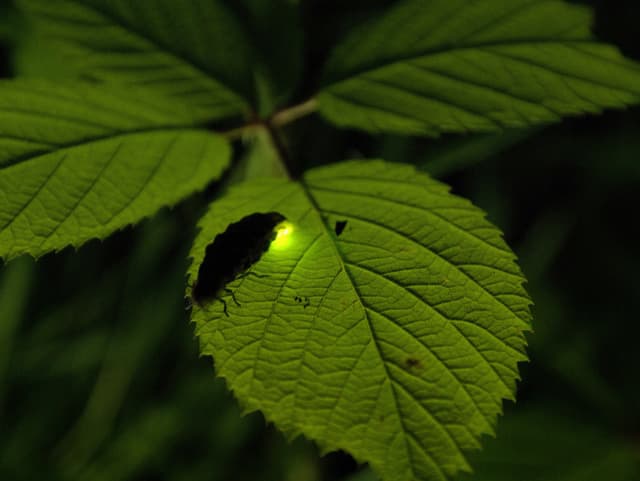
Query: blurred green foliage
x,y
99,371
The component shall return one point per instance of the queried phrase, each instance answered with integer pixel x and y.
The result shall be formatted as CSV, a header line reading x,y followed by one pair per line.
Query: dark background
x,y
100,377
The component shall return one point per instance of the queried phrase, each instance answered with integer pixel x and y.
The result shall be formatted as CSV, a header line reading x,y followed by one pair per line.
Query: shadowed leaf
x,y
461,65
195,52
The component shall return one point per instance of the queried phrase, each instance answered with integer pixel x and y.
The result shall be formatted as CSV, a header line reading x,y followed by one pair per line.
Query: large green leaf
x,y
193,51
429,66
78,163
396,340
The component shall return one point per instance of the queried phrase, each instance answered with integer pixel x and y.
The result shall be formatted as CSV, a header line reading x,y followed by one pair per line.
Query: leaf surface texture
x,y
435,66
78,163
396,340
195,52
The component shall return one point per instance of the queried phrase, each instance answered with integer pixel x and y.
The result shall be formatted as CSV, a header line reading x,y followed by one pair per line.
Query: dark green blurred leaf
x,y
546,444
277,40
15,284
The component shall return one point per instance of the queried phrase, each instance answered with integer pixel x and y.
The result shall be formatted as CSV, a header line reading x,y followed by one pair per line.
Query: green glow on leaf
x,y
284,235
395,341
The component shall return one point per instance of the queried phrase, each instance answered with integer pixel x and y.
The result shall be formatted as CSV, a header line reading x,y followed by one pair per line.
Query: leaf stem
x,y
286,116
239,132
280,147
272,125
278,119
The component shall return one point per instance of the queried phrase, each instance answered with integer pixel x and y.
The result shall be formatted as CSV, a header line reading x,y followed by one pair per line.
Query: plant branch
x,y
286,116
281,149
272,125
239,132
278,119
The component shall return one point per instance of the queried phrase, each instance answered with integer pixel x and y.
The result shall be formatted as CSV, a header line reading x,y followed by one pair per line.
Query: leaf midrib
x,y
339,256
437,255
130,29
387,63
407,435
34,156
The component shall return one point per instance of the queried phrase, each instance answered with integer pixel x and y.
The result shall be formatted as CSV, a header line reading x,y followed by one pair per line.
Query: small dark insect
x,y
303,300
340,225
232,253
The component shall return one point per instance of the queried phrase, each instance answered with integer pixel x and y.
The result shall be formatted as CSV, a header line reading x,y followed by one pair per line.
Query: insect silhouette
x,y
339,227
302,300
231,254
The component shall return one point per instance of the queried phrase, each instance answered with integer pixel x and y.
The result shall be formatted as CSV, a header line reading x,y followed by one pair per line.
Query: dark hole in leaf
x,y
340,225
233,252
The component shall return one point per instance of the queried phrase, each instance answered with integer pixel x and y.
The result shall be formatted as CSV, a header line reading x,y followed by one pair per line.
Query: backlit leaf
x,y
430,66
78,163
395,340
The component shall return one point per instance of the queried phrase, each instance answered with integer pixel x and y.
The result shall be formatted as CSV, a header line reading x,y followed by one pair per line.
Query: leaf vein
x,y
436,254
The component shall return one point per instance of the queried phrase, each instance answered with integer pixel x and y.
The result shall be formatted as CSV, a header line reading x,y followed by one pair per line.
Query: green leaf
x,y
396,340
260,160
78,163
195,52
460,65
276,35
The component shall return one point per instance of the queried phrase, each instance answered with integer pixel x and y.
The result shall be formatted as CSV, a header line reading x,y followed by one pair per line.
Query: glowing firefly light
x,y
283,235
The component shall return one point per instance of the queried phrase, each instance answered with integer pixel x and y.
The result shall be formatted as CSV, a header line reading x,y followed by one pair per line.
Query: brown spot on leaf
x,y
413,363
